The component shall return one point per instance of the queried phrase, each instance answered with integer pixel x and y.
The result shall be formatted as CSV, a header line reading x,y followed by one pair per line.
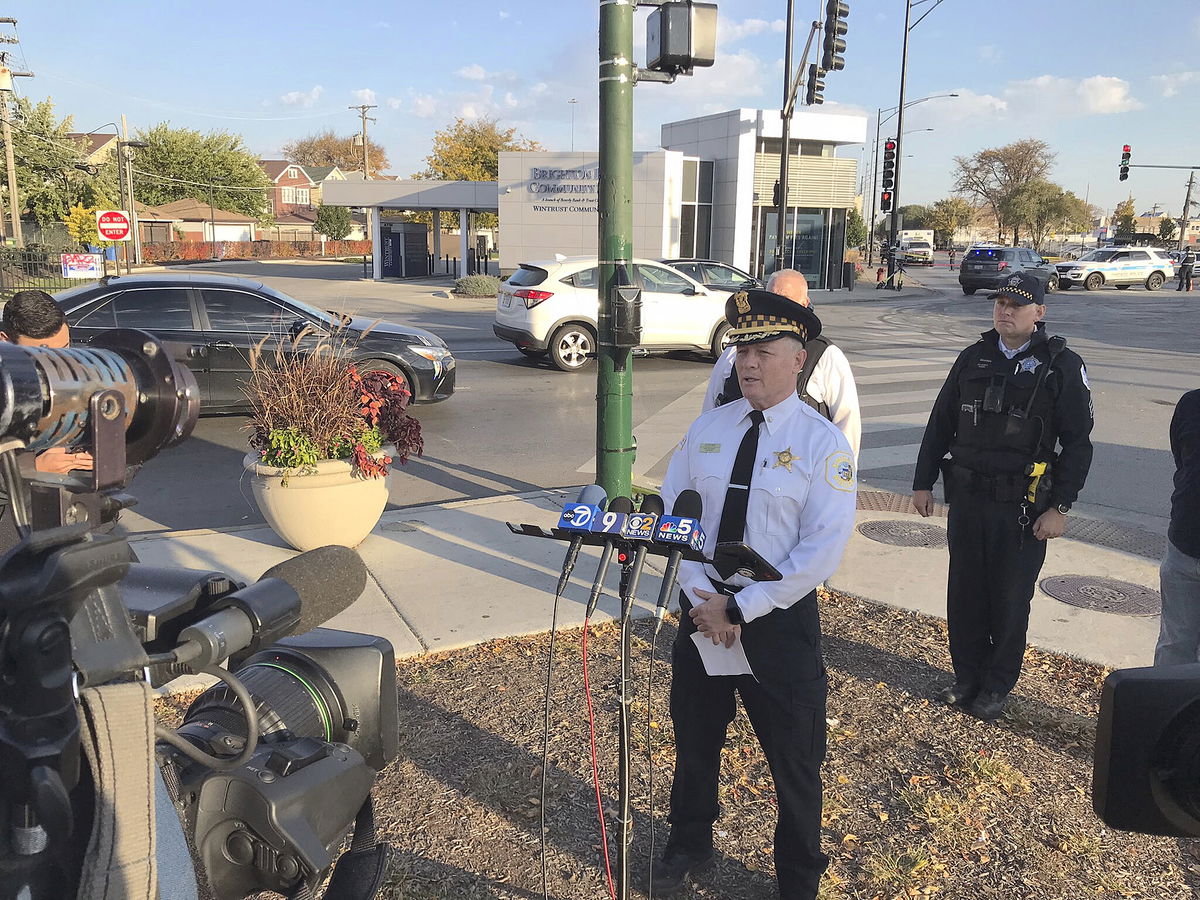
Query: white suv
x,y
551,307
1121,267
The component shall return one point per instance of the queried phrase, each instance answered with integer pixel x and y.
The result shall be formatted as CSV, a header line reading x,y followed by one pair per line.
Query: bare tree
x,y
991,175
325,148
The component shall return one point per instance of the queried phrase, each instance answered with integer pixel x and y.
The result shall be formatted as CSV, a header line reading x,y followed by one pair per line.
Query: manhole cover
x,y
904,533
1103,594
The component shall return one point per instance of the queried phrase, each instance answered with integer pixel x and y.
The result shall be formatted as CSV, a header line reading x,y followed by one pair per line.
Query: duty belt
x,y
1006,487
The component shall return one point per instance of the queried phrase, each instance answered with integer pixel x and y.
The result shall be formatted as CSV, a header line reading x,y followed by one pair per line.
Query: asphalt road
x,y
516,424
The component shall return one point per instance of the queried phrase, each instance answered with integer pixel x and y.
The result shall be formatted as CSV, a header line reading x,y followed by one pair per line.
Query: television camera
x,y
272,766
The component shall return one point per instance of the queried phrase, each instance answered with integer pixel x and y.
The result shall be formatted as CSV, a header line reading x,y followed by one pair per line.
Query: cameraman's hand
x,y
60,461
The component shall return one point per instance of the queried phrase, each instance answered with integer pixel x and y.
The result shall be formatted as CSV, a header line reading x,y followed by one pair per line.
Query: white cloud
x,y
504,13
473,72
1050,94
510,101
424,106
394,102
728,31
1171,84
307,99
364,95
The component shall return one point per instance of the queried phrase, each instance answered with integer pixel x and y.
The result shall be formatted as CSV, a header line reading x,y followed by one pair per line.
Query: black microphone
x,y
652,509
594,496
687,506
293,597
622,506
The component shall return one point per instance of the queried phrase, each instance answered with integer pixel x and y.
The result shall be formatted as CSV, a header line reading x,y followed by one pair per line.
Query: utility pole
x,y
1187,210
6,94
362,112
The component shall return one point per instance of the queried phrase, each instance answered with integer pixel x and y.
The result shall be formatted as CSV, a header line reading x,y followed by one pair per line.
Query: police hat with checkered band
x,y
757,315
1021,288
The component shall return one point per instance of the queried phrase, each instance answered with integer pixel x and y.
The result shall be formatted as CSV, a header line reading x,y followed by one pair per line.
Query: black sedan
x,y
211,322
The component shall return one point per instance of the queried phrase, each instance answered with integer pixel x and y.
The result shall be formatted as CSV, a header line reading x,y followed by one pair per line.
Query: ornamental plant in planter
x,y
323,435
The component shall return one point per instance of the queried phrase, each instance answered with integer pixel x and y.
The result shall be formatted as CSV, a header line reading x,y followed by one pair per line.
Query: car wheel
x,y
1064,285
570,347
1094,282
1052,284
1155,281
533,354
382,365
720,336
969,291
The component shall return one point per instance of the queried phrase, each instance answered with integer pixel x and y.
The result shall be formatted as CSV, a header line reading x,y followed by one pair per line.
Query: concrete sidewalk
x,y
451,575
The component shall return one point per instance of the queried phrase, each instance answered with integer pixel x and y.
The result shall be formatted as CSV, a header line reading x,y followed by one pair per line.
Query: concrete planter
x,y
329,506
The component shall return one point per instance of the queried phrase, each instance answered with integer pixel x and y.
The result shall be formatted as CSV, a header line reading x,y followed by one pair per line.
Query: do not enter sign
x,y
113,224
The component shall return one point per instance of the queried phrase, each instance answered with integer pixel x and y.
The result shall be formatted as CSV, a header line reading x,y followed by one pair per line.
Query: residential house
x,y
292,202
95,147
195,220
156,226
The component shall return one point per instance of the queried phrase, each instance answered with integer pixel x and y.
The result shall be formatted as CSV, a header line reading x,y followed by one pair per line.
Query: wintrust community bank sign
x,y
553,190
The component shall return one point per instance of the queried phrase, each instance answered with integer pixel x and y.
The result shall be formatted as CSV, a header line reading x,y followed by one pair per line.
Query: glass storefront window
x,y
690,167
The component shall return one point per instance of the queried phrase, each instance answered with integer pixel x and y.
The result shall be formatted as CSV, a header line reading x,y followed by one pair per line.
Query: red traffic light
x,y
1126,149
891,145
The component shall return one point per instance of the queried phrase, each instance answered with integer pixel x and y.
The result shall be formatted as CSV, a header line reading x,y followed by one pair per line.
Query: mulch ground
x,y
920,800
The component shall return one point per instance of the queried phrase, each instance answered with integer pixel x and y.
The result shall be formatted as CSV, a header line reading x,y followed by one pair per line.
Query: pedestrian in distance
x,y
950,253
1187,266
774,473
1015,415
826,382
1179,574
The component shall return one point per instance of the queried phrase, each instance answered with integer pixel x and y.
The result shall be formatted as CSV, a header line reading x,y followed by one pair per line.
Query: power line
x,y
203,184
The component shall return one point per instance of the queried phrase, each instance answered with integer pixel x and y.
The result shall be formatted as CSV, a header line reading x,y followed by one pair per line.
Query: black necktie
x,y
737,495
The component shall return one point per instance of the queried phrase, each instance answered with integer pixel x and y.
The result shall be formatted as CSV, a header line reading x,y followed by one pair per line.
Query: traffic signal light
x,y
885,201
1125,163
889,163
816,84
835,26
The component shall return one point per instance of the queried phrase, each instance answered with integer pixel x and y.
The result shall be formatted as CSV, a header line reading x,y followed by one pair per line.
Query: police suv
x,y
1121,267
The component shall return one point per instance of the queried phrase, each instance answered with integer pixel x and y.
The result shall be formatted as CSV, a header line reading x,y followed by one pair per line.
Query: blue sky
x,y
1084,75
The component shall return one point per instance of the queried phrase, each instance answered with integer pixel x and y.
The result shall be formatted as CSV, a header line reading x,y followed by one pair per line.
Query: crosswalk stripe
x,y
900,361
884,457
900,377
898,398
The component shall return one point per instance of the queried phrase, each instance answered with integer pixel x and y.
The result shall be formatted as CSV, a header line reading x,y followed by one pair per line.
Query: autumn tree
x,y
1125,213
1166,230
948,216
326,148
991,175
914,216
81,225
470,151
181,163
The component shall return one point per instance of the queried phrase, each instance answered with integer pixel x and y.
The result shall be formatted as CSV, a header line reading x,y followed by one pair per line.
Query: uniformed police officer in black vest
x,y
1015,415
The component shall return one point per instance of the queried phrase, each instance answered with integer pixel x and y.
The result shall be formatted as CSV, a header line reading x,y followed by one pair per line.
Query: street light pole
x,y
874,183
895,221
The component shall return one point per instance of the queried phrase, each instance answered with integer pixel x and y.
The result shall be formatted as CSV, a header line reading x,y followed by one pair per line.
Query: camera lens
x,y
294,698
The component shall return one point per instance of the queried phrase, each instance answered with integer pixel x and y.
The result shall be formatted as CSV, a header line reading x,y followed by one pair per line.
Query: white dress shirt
x,y
1011,353
802,498
832,383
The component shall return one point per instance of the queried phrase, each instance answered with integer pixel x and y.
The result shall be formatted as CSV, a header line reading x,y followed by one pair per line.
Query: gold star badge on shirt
x,y
785,458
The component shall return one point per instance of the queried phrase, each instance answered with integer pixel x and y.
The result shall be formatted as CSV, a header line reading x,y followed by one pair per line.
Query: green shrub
x,y
477,286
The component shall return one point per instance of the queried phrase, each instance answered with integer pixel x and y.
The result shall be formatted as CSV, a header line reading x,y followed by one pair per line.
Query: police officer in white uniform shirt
x,y
829,389
772,473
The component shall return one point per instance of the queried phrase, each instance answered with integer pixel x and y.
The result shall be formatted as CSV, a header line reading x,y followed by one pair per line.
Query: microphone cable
x,y
587,693
650,762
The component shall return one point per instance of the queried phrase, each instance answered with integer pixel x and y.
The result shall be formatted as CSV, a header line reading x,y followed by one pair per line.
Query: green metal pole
x,y
614,376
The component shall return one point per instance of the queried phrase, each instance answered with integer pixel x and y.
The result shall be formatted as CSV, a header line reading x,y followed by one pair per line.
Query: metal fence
x,y
22,270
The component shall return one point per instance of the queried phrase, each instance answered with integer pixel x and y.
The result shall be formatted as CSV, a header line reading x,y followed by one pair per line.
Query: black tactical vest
x,y
1006,408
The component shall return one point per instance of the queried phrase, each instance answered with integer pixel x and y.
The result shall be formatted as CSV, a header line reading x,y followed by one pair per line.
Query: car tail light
x,y
1001,265
533,298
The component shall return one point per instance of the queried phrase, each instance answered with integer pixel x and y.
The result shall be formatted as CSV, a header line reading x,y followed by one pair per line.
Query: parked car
x,y
916,253
988,267
209,323
551,308
1121,267
716,275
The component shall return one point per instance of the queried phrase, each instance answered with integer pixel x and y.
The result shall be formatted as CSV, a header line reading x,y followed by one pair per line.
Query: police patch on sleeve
x,y
839,471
